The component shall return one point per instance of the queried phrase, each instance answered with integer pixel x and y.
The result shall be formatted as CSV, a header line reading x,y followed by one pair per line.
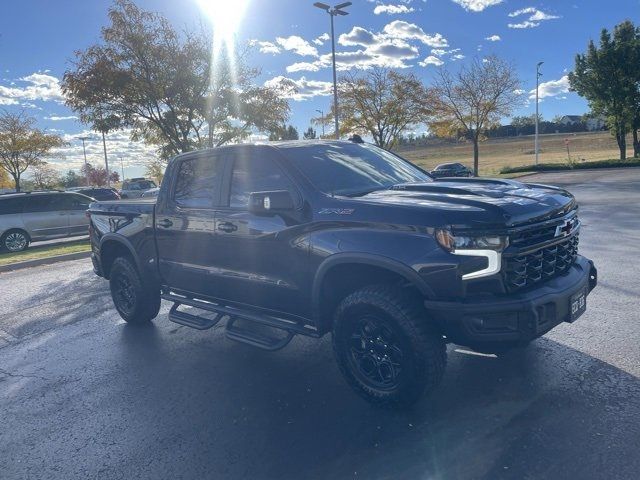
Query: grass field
x,y
45,251
512,152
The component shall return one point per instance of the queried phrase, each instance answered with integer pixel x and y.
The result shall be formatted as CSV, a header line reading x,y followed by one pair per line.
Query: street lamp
x,y
333,12
322,120
536,143
84,150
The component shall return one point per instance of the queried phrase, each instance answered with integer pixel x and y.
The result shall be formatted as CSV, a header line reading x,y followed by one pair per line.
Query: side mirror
x,y
271,203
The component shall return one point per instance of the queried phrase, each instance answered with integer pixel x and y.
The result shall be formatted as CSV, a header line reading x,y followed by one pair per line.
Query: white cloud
x,y
321,39
297,45
493,38
392,9
301,89
268,47
458,56
552,88
57,118
431,60
410,31
37,86
358,36
477,5
438,52
533,20
305,67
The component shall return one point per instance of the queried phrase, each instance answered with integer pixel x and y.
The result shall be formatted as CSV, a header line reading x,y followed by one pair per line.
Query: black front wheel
x,y
136,301
385,347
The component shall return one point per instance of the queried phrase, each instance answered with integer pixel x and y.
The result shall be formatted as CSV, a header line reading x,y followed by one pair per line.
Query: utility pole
x,y
537,142
122,166
321,118
333,12
84,150
106,161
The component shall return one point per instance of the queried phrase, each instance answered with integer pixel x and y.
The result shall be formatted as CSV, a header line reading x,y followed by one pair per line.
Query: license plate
x,y
577,304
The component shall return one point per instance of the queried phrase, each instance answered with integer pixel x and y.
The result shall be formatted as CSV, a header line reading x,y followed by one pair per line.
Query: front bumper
x,y
482,322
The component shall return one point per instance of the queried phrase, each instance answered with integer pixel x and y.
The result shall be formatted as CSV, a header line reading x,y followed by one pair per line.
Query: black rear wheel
x,y
385,347
136,301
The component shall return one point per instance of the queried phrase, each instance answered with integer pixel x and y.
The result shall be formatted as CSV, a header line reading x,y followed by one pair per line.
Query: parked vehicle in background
x,y
135,187
451,170
100,193
153,192
31,216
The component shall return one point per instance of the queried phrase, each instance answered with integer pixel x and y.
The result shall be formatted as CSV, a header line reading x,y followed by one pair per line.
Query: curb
x,y
44,261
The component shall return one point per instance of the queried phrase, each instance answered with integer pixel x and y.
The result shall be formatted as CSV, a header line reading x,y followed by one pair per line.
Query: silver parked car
x,y
28,217
135,187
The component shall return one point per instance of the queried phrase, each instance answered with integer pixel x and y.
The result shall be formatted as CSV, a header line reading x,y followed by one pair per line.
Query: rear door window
x,y
198,182
40,203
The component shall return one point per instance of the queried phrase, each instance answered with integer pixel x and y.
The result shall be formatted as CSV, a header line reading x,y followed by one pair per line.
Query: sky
x,y
290,40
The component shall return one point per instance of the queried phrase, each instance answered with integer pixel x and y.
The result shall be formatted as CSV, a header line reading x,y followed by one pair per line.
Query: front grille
x,y
522,271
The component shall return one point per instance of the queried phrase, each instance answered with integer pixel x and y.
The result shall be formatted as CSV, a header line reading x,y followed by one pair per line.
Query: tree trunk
x,y
621,138
16,180
636,144
476,155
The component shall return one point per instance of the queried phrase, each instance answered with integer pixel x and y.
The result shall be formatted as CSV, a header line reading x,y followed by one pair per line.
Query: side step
x,y
255,338
234,332
193,321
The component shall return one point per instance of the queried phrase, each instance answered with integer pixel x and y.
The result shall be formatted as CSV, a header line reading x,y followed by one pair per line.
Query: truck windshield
x,y
351,169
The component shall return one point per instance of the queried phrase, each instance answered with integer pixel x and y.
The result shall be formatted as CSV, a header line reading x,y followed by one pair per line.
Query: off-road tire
x,y
423,349
135,301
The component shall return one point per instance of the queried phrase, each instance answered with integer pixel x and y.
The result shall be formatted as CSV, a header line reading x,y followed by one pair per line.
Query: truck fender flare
x,y
114,237
379,261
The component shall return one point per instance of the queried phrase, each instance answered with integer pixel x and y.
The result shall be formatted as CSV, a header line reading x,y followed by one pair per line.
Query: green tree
x,y
381,103
72,179
608,76
284,132
166,85
22,145
310,134
474,99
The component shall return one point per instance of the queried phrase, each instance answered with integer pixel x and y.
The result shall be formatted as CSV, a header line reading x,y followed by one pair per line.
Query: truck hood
x,y
487,201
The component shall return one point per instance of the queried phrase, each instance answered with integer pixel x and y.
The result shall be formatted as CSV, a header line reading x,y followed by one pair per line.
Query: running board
x,y
234,332
190,320
256,339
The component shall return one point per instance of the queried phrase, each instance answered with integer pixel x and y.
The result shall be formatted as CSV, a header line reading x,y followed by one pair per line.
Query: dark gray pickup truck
x,y
306,238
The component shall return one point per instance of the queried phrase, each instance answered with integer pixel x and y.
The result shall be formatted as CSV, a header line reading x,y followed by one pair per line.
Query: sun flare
x,y
226,16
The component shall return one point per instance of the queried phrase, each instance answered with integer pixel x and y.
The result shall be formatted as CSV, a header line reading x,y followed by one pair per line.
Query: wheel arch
x,y
330,284
113,246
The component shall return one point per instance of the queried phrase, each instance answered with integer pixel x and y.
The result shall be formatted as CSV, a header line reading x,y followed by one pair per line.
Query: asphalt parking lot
x,y
83,395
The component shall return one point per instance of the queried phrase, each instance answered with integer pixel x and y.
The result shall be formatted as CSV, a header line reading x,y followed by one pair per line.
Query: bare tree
x,y
382,103
22,145
474,99
45,176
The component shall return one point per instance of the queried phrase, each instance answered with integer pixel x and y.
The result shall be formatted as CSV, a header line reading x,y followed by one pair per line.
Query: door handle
x,y
166,223
227,227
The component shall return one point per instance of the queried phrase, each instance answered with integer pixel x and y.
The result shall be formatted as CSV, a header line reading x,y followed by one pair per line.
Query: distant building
x,y
571,120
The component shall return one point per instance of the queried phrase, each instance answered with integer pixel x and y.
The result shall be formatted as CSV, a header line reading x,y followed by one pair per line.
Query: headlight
x,y
488,246
451,242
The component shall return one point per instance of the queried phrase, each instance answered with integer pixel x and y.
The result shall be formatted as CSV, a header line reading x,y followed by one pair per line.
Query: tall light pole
x,y
333,12
122,166
322,118
536,143
84,151
106,161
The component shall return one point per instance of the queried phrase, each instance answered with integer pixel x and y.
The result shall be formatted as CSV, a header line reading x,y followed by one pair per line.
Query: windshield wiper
x,y
362,193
